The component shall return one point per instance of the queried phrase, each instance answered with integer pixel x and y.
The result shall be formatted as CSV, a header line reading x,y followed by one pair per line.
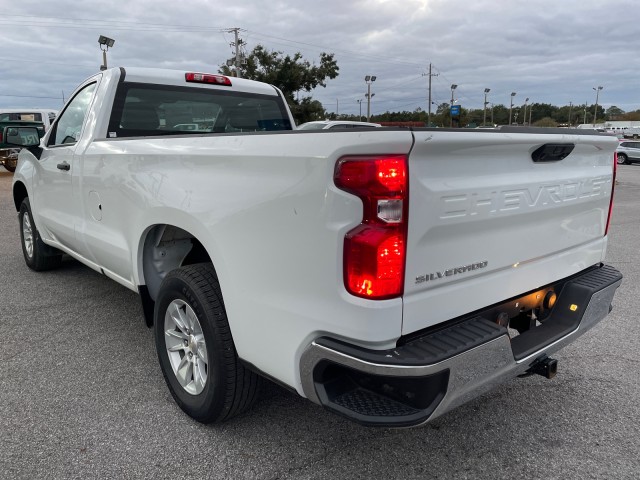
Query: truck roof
x,y
164,76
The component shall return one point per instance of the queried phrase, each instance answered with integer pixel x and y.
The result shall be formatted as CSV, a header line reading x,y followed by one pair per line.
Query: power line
x,y
25,96
49,62
67,20
152,27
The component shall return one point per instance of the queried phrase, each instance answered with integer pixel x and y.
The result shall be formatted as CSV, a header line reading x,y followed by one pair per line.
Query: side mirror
x,y
22,136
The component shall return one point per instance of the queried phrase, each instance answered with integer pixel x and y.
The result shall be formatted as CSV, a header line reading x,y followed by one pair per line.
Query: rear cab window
x,y
142,110
20,117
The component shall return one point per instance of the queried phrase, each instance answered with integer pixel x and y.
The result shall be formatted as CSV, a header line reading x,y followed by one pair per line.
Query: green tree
x,y
291,74
614,112
545,122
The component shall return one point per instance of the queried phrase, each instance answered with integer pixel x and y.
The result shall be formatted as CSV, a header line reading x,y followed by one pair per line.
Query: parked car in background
x,y
23,117
334,124
632,132
29,115
628,152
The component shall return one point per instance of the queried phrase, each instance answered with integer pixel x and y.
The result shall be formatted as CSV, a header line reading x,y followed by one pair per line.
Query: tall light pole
x,y
570,107
360,104
369,79
105,43
484,118
524,117
595,113
453,87
513,94
530,110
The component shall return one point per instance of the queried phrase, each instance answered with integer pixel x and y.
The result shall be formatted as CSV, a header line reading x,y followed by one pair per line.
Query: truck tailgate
x,y
487,222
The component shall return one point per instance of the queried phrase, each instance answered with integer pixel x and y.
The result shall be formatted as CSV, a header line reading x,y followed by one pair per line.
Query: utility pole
x,y
360,104
585,113
570,106
337,108
237,59
429,110
595,113
513,94
484,117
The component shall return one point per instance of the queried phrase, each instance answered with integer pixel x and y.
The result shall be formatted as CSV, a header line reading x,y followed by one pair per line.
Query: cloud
x,y
550,51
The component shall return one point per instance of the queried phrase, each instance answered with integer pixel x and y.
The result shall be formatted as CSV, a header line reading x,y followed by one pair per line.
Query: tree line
x,y
296,77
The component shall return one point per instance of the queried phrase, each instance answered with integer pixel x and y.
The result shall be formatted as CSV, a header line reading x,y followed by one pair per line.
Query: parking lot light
x,y
105,43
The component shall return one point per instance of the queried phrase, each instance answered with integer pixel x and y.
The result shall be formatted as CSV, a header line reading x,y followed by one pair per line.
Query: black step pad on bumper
x,y
429,349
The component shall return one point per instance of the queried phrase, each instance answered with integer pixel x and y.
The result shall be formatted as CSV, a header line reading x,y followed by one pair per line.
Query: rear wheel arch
x,y
19,194
164,248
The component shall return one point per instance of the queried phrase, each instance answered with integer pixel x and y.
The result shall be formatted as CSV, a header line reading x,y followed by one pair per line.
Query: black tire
x,y
230,388
40,256
622,159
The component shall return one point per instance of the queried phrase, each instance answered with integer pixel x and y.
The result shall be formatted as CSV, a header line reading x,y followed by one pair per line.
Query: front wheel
x,y
195,348
622,159
37,255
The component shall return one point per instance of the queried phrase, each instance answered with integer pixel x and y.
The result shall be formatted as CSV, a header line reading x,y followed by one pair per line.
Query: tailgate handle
x,y
552,152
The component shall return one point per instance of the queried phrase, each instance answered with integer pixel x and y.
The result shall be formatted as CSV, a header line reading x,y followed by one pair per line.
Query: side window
x,y
69,125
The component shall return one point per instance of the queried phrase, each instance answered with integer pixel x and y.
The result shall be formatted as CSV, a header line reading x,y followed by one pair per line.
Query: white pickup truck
x,y
387,274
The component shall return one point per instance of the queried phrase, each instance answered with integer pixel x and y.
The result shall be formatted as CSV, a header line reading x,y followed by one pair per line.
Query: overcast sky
x,y
551,51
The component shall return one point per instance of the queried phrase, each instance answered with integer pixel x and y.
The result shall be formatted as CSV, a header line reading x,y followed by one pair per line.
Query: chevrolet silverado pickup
x,y
387,274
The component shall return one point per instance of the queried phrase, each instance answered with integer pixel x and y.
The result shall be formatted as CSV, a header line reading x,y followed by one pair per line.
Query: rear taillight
x,y
0,137
207,78
375,251
613,187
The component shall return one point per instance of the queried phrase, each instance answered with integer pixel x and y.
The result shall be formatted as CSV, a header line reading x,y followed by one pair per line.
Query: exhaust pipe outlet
x,y
545,366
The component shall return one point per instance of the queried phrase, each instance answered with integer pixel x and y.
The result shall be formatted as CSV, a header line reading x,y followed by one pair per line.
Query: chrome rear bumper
x,y
461,374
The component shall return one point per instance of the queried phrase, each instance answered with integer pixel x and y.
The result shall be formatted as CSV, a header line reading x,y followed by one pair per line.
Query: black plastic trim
x,y
552,152
428,349
378,400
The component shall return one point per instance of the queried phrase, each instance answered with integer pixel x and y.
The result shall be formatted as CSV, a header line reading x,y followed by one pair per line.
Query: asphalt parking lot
x,y
82,395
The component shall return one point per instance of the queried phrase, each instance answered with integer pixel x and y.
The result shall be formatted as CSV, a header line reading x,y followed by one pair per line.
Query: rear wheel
x,y
37,255
195,348
622,159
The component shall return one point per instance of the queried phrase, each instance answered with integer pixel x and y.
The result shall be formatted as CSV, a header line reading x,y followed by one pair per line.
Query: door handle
x,y
64,166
